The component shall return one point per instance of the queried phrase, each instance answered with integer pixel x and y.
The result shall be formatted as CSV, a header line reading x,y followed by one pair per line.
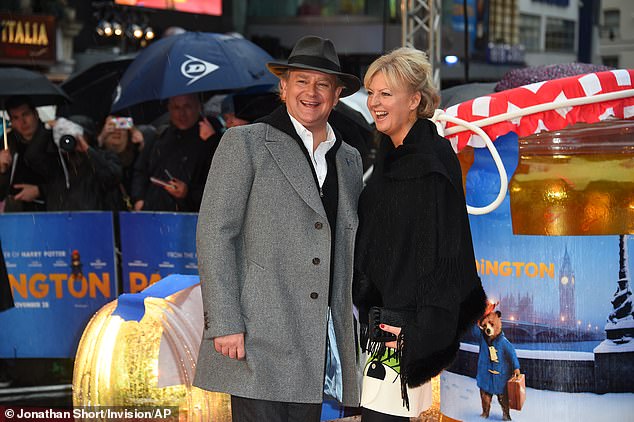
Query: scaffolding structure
x,y
421,29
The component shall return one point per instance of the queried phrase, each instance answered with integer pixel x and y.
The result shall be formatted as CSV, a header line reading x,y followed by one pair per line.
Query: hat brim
x,y
351,83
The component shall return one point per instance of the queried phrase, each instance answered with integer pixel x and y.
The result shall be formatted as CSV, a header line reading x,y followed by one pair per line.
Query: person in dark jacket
x,y
79,178
127,141
170,175
22,166
414,254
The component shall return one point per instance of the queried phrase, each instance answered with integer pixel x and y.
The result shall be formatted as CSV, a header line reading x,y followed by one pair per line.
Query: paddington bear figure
x,y
497,363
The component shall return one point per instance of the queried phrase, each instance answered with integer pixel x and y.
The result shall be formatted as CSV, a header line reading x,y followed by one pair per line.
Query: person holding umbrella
x,y
170,174
275,241
23,164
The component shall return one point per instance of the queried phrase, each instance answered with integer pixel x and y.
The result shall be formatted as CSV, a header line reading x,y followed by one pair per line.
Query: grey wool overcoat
x,y
263,244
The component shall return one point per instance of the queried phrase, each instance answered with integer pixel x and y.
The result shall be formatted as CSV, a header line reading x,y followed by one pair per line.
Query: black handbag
x,y
378,316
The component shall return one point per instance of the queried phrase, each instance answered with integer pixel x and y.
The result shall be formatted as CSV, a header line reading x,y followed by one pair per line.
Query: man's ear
x,y
283,89
338,92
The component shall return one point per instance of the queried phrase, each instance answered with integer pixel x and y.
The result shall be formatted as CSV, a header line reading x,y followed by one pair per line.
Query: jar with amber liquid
x,y
575,181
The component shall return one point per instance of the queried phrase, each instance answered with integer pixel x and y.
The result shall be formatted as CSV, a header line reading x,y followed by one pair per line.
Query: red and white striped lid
x,y
555,91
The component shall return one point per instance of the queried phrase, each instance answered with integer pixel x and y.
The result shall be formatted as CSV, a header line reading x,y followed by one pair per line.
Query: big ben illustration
x,y
567,305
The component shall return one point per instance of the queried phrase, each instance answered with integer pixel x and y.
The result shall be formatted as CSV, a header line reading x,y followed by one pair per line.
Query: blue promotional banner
x,y
566,310
61,270
155,245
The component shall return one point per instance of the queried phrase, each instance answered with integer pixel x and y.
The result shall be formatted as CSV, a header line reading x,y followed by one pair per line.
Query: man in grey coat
x,y
275,241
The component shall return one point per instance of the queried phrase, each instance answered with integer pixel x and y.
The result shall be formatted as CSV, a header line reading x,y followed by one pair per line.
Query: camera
x,y
65,134
67,143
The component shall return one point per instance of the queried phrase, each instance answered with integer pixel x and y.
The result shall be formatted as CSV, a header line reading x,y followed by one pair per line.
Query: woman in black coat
x,y
414,254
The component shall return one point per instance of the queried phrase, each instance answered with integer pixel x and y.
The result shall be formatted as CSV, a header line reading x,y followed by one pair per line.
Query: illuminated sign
x,y
27,39
207,7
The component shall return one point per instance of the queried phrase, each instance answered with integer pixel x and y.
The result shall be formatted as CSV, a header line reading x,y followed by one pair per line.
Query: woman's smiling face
x,y
393,108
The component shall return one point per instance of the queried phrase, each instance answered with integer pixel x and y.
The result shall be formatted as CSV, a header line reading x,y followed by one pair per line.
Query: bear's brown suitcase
x,y
517,392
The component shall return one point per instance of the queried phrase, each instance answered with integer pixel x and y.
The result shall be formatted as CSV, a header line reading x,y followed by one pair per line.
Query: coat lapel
x,y
293,164
346,165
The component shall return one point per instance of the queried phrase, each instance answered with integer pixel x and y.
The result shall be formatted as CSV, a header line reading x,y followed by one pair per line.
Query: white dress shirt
x,y
318,156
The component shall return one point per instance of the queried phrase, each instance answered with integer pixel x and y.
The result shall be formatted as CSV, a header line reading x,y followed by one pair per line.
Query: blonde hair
x,y
410,67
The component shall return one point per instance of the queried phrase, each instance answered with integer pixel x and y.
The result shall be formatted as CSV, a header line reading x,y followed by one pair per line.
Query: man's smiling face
x,y
310,96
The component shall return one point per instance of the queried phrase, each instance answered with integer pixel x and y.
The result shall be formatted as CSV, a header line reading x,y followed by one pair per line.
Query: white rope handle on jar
x,y
440,115
475,127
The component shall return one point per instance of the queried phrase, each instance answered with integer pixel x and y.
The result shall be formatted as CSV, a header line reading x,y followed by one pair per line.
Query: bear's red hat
x,y
490,307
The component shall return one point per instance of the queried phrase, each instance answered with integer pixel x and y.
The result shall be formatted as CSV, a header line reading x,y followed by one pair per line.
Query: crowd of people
x,y
111,165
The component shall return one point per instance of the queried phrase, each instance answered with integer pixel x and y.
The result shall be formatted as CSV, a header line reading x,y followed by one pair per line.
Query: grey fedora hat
x,y
316,53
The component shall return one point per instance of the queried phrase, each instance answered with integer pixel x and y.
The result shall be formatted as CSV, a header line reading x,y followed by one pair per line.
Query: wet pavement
x,y
60,397
221,410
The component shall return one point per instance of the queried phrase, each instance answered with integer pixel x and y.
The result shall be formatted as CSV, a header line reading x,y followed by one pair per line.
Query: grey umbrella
x,y
465,92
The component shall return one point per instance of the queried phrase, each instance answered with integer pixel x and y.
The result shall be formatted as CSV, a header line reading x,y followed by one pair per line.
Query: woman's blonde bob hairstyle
x,y
408,68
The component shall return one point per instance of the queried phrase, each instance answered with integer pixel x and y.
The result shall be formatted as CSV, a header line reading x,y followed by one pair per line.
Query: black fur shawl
x,y
414,250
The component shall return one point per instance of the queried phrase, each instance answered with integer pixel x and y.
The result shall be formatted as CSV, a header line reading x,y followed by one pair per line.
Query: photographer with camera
x,y
84,174
23,165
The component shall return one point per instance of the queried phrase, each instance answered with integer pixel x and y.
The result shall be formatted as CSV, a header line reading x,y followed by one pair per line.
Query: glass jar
x,y
575,181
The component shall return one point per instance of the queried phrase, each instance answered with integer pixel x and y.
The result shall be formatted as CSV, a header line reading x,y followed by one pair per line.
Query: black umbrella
x,y
18,81
92,89
354,129
354,116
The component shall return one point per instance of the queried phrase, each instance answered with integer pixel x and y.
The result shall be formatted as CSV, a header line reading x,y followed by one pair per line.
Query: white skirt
x,y
381,390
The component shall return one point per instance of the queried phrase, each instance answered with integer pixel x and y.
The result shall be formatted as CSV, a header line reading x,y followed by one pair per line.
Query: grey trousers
x,y
253,410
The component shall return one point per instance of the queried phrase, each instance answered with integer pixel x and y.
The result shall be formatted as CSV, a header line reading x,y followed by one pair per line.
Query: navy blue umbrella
x,y
192,62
